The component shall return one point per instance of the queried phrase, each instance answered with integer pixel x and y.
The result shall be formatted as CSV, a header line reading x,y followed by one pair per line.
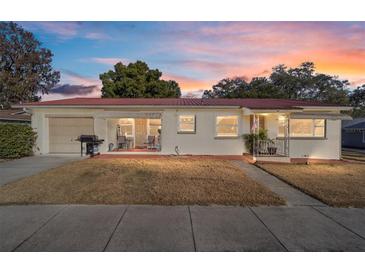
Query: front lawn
x,y
340,185
165,181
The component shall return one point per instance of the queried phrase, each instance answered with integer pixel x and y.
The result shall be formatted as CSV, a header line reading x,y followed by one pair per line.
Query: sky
x,y
198,54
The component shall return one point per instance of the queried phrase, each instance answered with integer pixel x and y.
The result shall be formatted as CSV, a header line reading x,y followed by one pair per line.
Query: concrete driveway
x,y
180,228
17,169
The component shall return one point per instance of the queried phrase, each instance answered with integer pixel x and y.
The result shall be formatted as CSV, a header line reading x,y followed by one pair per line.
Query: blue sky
x,y
198,54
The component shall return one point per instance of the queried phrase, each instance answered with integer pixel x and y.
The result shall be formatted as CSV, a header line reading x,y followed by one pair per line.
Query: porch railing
x,y
277,147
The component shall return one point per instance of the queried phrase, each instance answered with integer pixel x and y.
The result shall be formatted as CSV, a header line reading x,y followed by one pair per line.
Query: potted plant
x,y
271,149
253,138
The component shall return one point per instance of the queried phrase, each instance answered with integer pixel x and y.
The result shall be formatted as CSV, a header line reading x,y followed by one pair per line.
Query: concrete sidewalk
x,y
180,228
20,168
293,196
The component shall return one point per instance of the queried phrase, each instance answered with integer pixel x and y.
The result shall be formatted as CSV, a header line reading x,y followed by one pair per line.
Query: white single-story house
x,y
297,129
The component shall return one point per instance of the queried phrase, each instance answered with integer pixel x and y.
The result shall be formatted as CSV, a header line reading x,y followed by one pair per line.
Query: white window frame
x,y
217,135
313,129
179,130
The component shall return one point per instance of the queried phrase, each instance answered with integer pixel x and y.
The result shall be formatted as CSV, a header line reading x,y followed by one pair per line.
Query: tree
x,y
137,80
293,83
329,89
304,83
261,87
301,82
228,88
357,101
25,67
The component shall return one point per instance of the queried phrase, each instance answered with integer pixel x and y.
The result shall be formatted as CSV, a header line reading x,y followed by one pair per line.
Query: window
x,y
126,127
363,137
154,126
307,128
227,126
186,124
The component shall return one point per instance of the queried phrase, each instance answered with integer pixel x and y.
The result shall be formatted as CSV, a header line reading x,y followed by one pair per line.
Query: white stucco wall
x,y
203,142
40,124
327,148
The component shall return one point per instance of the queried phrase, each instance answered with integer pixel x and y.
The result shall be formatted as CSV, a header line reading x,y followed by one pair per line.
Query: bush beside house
x,y
16,140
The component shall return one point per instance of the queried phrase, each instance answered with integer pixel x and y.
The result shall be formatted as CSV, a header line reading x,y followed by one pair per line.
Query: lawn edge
x,y
296,187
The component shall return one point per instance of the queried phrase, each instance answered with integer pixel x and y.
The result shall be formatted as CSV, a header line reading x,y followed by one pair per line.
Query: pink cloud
x,y
253,48
109,60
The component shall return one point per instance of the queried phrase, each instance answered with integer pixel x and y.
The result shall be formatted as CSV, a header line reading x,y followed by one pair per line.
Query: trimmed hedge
x,y
16,140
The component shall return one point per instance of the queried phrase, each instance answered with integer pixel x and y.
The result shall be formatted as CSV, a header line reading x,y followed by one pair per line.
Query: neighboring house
x,y
298,129
353,133
14,116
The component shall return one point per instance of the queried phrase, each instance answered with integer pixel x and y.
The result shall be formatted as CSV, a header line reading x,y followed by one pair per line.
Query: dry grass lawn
x,y
170,181
341,185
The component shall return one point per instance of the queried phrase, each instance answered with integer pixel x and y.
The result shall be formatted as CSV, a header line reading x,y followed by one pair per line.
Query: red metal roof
x,y
249,103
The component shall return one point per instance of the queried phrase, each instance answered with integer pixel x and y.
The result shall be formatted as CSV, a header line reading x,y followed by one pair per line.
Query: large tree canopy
x,y
228,88
289,83
137,80
25,67
357,100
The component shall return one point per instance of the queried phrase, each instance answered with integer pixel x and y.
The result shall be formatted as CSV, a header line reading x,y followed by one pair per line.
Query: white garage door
x,y
64,131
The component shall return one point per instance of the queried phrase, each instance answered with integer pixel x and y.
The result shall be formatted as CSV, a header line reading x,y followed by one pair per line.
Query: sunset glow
x,y
199,54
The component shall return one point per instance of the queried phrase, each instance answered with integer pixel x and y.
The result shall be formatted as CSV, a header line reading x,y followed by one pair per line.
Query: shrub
x,y
254,137
16,140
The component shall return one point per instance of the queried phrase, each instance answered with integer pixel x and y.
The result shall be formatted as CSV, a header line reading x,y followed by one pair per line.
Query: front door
x,y
140,133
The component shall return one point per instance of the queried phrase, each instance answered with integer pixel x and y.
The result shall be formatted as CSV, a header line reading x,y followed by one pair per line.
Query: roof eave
x,y
344,108
125,106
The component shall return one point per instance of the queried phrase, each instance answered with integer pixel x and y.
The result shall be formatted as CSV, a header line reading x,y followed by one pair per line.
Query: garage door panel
x,y
69,149
64,131
62,139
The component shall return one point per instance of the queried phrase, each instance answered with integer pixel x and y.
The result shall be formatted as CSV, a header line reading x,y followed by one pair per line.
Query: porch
x,y
136,133
273,145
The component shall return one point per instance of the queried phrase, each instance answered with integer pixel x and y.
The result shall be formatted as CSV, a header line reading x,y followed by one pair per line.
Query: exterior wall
x,y
100,129
203,141
327,148
40,122
111,132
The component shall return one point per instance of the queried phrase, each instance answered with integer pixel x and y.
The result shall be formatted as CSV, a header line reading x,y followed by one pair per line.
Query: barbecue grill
x,y
92,144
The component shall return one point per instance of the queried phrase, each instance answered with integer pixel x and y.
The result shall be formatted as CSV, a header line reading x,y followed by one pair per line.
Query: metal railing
x,y
277,147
